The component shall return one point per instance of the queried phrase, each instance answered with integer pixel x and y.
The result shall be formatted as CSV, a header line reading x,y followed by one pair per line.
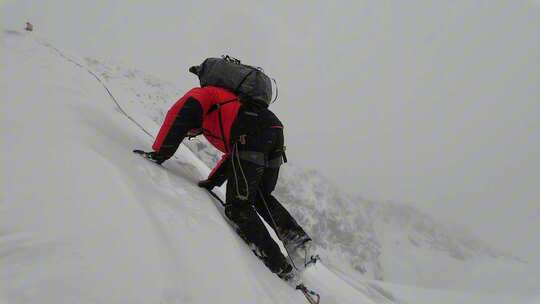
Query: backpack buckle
x,y
242,139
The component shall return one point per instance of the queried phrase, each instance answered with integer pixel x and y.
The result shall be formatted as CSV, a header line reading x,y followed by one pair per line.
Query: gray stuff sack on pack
x,y
249,83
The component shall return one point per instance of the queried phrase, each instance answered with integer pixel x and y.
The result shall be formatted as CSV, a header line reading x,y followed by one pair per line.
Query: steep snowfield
x,y
83,220
381,240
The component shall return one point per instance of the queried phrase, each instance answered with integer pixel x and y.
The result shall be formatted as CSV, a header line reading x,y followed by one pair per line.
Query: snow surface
x,y
381,240
86,221
82,220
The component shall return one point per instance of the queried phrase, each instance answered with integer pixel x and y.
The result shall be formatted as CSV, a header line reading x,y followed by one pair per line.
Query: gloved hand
x,y
206,184
156,157
152,156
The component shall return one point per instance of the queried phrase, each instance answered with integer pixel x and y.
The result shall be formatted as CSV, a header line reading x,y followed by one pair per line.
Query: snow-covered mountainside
x,y
396,243
353,233
85,221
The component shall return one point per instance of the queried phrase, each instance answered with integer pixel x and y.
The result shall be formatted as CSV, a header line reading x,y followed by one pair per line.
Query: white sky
x,y
430,103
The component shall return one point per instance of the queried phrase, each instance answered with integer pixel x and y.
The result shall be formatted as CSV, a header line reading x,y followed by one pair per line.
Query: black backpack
x,y
249,83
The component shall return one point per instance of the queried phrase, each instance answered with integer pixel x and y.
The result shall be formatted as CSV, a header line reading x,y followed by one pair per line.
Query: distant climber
x,y
29,27
231,110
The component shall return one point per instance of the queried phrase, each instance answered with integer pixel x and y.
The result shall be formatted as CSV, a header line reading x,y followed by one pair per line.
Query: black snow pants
x,y
252,174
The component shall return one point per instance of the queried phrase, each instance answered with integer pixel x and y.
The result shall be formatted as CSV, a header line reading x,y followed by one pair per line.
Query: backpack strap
x,y
217,106
244,79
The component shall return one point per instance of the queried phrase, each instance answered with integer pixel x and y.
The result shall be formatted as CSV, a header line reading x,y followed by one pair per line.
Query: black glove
x,y
207,184
152,156
156,157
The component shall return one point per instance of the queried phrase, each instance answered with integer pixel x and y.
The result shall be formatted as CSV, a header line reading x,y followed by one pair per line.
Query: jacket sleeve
x,y
219,174
184,115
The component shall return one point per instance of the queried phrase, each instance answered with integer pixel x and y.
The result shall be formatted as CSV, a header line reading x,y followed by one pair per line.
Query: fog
x,y
433,104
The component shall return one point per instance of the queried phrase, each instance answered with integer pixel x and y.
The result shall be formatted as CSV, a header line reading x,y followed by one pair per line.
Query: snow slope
x,y
83,220
381,240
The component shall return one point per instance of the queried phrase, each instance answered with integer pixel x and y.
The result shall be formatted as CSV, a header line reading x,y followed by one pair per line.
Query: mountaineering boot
x,y
289,275
300,248
286,272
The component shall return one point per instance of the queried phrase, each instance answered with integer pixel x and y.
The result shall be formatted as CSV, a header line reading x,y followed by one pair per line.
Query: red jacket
x,y
218,111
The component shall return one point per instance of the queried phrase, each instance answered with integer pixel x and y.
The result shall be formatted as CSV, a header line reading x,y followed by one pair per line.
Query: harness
x,y
240,138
